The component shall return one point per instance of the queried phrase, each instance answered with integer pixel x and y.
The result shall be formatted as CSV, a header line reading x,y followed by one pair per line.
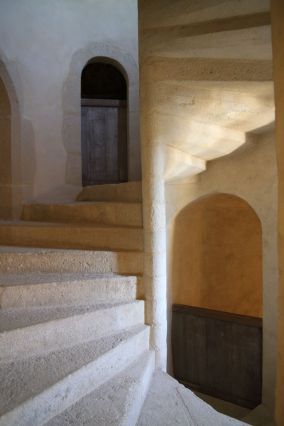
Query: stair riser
x,y
68,261
57,398
72,237
37,339
117,214
125,192
79,292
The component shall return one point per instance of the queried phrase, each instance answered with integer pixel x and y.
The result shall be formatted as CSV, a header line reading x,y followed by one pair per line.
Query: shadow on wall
x,y
28,160
17,152
217,262
5,154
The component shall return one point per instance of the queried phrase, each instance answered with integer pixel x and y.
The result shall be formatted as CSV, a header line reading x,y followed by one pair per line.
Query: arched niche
x,y
217,260
71,102
103,123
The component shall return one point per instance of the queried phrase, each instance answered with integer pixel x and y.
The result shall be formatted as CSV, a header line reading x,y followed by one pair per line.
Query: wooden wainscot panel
x,y
218,353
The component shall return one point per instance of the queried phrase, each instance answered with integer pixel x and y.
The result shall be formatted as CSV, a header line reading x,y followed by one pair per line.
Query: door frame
x,y
127,63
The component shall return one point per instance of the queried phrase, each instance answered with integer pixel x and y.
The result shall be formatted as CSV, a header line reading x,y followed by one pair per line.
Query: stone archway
x,y
72,108
103,123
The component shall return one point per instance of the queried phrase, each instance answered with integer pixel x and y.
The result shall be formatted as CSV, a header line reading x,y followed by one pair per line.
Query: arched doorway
x,y
217,296
103,124
5,154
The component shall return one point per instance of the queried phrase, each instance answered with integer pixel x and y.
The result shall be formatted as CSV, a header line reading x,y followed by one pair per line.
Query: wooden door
x,y
103,139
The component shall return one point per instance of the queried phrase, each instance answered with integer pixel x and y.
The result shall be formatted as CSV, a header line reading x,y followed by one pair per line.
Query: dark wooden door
x,y
218,353
104,142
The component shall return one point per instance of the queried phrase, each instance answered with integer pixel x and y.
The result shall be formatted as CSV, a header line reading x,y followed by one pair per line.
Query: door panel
x,y
103,144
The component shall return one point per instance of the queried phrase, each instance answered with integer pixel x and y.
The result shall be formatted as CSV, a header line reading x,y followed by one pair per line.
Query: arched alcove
x,y
124,62
218,256
5,154
103,123
217,299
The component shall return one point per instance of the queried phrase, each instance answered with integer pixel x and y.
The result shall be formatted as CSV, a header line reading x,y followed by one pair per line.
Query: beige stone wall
x,y
5,154
249,173
217,256
44,46
277,16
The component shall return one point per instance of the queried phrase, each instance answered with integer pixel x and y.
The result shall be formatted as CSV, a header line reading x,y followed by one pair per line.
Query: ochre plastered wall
x,y
277,17
249,173
5,154
217,261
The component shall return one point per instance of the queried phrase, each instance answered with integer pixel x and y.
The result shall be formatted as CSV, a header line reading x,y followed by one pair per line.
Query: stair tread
x,y
169,403
4,249
112,403
73,225
15,318
34,278
23,379
85,203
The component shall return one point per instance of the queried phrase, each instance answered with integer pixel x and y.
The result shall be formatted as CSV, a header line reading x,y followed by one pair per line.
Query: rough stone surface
x,y
55,398
206,83
21,260
127,192
169,403
64,289
116,403
36,373
107,213
65,235
38,330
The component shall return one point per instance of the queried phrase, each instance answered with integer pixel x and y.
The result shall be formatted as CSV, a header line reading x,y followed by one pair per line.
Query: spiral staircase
x,y
74,348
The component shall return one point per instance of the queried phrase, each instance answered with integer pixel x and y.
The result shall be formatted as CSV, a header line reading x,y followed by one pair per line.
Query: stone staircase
x,y
109,223
206,70
74,349
206,90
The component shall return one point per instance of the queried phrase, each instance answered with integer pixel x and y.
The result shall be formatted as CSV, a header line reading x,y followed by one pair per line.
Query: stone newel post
x,y
154,219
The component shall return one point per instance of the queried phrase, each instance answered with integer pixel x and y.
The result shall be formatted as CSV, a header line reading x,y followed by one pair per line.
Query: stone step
x,y
126,192
106,213
253,43
29,260
27,331
117,402
165,13
170,403
35,390
27,290
76,236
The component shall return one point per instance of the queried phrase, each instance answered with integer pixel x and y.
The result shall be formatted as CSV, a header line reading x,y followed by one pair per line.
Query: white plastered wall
x,y
44,45
251,174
